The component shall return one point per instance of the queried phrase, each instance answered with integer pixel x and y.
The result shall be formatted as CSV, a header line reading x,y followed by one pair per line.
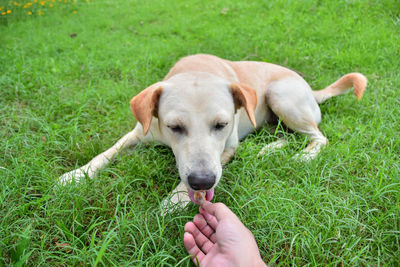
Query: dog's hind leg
x,y
317,142
103,159
272,147
291,100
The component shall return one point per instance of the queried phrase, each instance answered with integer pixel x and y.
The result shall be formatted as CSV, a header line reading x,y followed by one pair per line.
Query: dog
x,y
205,105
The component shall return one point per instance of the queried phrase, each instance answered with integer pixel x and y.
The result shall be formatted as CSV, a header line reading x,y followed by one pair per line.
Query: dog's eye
x,y
220,125
177,129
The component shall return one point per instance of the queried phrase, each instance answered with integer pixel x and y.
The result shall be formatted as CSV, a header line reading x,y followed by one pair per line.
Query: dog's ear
x,y
245,96
145,105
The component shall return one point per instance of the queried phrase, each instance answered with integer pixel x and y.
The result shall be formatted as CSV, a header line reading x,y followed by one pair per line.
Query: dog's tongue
x,y
209,195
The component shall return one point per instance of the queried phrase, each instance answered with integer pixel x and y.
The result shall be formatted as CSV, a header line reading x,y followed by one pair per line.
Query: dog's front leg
x,y
103,159
176,200
227,155
230,146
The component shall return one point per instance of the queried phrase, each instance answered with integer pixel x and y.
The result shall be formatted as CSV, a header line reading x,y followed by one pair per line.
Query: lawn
x,y
67,74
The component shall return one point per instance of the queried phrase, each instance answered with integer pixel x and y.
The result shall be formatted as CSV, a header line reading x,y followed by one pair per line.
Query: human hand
x,y
216,237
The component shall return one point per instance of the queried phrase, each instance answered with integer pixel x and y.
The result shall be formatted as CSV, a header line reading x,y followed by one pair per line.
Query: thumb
x,y
218,210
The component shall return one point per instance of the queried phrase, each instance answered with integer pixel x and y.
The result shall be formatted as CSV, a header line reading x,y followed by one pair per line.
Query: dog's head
x,y
196,118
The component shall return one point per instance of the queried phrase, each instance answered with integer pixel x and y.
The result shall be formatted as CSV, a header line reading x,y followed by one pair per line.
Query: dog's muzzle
x,y
203,180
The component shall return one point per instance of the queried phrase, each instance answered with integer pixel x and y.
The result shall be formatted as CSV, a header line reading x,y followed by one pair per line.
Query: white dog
x,y
206,104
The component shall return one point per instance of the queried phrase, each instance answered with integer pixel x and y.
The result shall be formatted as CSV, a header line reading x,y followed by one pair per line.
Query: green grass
x,y
65,99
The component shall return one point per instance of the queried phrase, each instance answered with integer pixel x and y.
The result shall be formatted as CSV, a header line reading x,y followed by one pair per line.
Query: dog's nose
x,y
201,180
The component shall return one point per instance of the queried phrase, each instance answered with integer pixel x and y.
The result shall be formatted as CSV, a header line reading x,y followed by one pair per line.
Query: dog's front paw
x,y
69,177
174,203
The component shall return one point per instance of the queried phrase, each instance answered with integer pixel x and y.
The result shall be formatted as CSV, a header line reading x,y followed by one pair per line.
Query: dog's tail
x,y
343,85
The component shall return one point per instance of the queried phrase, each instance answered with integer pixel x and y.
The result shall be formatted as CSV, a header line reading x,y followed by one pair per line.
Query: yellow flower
x,y
1,7
42,3
51,5
9,11
3,13
40,12
75,12
29,12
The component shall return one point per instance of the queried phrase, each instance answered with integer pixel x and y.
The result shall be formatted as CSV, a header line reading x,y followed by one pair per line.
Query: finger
x,y
210,219
213,238
190,227
203,226
201,240
192,248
